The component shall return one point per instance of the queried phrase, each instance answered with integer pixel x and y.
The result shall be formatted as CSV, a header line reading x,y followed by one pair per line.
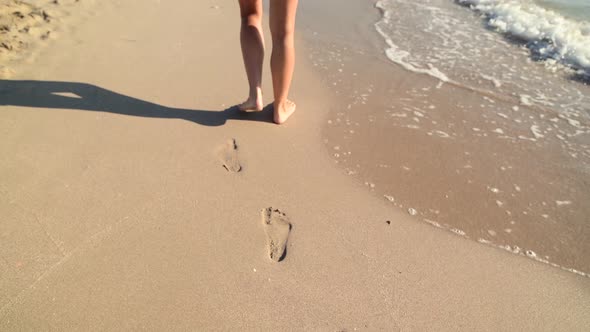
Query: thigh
x,y
282,16
250,7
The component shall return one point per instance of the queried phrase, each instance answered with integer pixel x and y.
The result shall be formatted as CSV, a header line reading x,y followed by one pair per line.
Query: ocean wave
x,y
549,35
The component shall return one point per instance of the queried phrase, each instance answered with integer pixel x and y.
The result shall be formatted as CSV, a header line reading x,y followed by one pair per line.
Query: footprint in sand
x,y
229,156
277,228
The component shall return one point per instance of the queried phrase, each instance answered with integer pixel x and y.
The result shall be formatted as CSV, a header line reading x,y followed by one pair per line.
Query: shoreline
x,y
471,171
121,216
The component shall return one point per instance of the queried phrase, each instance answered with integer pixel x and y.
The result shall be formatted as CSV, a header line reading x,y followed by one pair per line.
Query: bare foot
x,y
253,104
283,111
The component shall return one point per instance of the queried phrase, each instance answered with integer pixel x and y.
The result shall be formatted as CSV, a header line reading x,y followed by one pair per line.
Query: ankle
x,y
255,94
279,104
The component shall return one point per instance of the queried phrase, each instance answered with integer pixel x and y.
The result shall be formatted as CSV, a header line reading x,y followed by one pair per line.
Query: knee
x,y
253,19
283,36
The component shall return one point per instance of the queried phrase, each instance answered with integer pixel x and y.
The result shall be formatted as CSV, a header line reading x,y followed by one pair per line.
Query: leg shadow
x,y
88,97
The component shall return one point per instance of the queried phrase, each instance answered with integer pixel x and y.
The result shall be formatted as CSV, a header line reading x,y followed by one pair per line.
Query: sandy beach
x,y
134,196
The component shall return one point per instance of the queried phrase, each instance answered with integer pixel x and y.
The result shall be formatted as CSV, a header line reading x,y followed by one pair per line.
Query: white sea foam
x,y
550,35
399,56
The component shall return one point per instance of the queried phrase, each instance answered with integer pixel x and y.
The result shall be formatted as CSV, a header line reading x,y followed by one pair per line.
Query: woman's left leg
x,y
252,43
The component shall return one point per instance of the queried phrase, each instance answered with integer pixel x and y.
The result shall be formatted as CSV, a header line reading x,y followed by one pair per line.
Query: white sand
x,y
120,222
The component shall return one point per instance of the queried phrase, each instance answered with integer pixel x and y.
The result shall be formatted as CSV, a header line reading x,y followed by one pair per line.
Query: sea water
x,y
472,116
532,54
535,54
571,9
495,44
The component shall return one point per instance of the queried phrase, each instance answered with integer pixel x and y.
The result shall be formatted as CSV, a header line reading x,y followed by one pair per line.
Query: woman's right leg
x,y
252,43
282,60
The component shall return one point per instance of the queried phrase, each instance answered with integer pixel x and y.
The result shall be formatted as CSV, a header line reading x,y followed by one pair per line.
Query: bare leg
x,y
252,43
282,60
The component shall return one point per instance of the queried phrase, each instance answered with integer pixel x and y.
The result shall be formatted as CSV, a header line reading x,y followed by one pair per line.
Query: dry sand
x,y
120,211
26,27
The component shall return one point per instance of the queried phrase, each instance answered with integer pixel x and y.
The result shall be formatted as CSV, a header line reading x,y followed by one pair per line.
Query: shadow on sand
x,y
88,97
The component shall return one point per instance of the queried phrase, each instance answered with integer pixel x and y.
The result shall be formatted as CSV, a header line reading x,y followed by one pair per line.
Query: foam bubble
x,y
536,131
389,198
497,83
458,231
441,134
524,100
433,223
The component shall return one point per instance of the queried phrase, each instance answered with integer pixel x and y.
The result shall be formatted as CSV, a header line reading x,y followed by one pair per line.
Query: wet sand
x,y
125,209
484,166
